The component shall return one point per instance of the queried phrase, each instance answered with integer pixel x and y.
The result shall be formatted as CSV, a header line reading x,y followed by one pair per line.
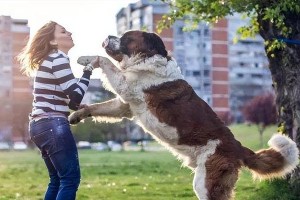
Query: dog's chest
x,y
150,123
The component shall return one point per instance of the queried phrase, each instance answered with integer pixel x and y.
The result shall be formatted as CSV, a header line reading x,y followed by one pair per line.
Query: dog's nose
x,y
105,42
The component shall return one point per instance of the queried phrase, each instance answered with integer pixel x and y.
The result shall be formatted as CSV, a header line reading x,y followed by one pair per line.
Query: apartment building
x,y
208,58
15,88
249,74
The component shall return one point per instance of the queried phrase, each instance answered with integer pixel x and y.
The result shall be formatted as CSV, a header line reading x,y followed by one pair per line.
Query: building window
x,y
206,73
197,88
196,73
208,100
179,43
188,73
141,21
179,30
206,32
191,37
256,75
240,75
206,87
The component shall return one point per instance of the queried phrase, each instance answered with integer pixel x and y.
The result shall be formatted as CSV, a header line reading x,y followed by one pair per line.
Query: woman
x,y
55,92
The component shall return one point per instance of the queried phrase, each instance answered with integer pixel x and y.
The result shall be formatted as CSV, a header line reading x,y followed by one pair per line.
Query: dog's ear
x,y
155,44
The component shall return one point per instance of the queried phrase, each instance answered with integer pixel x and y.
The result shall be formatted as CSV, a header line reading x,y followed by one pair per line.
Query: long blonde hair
x,y
37,49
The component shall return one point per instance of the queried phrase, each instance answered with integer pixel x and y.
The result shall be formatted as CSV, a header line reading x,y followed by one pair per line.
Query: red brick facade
x,y
220,87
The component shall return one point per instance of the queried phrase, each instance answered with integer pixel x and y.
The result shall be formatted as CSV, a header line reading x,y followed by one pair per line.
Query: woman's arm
x,y
72,87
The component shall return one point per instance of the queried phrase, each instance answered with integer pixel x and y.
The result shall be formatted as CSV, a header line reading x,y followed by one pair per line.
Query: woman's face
x,y
63,38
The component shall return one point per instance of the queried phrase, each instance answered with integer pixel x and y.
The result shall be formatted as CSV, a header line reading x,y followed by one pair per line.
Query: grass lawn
x,y
128,175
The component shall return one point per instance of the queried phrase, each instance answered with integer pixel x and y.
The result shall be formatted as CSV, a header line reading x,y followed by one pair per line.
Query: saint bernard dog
x,y
151,91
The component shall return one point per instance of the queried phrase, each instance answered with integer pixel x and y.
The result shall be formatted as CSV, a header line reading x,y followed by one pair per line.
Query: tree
x,y
278,22
20,120
6,116
98,132
261,110
15,115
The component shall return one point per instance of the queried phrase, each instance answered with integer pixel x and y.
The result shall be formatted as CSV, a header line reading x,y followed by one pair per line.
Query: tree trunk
x,y
285,70
261,131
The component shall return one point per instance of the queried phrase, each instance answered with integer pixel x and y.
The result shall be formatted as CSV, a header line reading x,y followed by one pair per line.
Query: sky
x,y
90,21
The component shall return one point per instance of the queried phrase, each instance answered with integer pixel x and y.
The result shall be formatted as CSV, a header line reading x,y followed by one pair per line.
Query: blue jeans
x,y
55,140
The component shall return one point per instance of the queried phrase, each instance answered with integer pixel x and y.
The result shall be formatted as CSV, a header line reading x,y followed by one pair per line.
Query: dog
x,y
151,91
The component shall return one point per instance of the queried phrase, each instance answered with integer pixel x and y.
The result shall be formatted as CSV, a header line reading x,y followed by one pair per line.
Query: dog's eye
x,y
125,44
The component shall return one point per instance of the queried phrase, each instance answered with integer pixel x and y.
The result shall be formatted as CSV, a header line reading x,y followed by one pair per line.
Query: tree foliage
x,y
98,132
211,11
261,110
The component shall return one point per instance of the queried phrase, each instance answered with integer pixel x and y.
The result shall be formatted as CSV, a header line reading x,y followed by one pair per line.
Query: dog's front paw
x,y
84,60
104,61
78,115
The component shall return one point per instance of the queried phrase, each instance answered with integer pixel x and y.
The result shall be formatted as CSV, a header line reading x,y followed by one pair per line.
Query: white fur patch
x,y
157,68
200,172
143,73
287,148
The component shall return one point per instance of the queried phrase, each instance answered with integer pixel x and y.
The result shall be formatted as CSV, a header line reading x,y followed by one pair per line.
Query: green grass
x,y
129,175
105,175
249,136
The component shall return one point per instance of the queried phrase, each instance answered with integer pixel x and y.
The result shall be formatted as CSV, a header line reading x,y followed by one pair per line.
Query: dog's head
x,y
135,42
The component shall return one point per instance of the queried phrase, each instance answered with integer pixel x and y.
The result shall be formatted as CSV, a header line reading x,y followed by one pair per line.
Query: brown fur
x,y
222,175
265,162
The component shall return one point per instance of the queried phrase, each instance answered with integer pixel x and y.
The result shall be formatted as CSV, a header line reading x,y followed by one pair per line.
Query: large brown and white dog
x,y
151,91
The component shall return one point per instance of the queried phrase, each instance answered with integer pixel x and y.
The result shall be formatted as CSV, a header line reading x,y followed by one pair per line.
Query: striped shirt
x,y
55,87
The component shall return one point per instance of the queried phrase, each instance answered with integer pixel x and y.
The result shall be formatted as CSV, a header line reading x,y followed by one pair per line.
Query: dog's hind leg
x,y
200,177
108,111
199,183
221,176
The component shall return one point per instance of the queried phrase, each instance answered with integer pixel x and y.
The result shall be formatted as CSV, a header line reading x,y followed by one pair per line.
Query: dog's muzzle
x,y
111,43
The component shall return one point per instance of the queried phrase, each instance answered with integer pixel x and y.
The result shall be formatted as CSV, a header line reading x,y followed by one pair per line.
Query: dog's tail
x,y
277,161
